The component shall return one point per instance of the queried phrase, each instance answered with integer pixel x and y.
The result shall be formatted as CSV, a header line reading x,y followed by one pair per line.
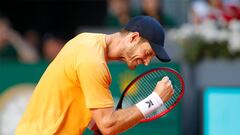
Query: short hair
x,y
125,32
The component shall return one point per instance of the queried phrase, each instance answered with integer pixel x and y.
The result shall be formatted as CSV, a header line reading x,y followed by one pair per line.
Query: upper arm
x,y
94,82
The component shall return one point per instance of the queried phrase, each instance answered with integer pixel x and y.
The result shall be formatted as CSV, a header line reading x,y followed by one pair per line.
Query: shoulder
x,y
98,71
92,47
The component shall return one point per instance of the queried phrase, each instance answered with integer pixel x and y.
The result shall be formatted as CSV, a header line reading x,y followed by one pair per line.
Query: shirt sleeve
x,y
94,81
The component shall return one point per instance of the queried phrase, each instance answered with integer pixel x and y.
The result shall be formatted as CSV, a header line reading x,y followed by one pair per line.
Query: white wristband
x,y
150,104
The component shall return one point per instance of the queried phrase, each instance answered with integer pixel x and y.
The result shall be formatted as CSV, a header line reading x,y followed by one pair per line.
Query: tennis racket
x,y
144,84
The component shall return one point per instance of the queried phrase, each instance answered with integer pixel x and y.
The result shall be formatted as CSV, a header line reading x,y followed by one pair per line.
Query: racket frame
x,y
119,105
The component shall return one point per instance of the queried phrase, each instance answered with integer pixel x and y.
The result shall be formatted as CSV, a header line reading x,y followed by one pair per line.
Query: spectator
x,y
51,47
153,8
224,11
32,37
12,46
200,10
118,13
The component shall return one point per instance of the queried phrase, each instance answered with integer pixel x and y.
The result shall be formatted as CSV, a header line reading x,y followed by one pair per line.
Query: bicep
x,y
94,83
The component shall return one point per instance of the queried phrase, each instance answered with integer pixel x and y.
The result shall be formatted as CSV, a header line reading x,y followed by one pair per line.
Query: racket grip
x,y
97,132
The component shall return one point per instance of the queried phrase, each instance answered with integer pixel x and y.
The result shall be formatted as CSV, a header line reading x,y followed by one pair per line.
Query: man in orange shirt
x,y
75,87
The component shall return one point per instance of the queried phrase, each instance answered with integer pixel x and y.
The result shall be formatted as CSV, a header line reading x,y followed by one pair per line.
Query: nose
x,y
147,61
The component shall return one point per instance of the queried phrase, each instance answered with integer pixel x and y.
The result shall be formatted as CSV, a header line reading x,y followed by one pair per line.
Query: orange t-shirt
x,y
78,79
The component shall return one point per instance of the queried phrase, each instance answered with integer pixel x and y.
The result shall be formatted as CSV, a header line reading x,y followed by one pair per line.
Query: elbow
x,y
108,131
108,128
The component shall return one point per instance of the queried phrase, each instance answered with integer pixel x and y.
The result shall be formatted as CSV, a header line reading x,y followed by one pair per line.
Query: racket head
x,y
148,80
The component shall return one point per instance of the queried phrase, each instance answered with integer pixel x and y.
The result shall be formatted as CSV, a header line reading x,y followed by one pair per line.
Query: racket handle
x,y
97,132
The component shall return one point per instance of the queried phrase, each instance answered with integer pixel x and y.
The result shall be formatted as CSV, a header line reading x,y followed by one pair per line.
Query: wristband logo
x,y
150,103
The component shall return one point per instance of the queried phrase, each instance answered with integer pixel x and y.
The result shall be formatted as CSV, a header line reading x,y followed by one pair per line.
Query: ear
x,y
135,37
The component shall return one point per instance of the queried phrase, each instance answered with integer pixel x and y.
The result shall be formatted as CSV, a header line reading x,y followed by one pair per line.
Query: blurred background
x,y
202,38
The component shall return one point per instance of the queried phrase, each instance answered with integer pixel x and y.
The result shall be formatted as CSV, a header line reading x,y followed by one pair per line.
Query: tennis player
x,y
75,87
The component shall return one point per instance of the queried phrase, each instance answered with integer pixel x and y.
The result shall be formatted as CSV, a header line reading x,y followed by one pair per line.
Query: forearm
x,y
123,119
113,122
120,120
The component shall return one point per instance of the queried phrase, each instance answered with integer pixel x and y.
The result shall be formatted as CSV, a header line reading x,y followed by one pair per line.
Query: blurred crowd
x,y
223,11
120,11
30,46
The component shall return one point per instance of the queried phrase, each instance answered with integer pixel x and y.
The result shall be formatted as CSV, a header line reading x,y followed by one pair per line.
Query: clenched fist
x,y
164,89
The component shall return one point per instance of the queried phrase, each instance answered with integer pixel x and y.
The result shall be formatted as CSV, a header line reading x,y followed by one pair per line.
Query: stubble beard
x,y
130,58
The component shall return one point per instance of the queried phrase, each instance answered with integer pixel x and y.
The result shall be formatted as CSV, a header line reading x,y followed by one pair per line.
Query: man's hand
x,y
164,89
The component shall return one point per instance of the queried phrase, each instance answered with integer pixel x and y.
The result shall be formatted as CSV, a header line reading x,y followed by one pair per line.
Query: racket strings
x,y
145,86
146,91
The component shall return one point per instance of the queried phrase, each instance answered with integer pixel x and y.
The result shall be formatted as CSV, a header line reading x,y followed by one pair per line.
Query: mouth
x,y
138,62
133,64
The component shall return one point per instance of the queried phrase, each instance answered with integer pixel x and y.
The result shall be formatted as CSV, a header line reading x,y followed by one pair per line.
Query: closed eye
x,y
149,53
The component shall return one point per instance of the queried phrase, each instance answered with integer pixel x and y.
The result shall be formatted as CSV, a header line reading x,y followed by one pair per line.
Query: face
x,y
119,7
138,52
51,48
150,6
4,30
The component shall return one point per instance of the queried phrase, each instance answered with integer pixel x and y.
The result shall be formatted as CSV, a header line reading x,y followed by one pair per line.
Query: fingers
x,y
168,83
165,88
172,92
165,79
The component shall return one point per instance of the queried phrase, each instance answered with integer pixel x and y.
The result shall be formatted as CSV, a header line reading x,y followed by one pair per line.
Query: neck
x,y
114,49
